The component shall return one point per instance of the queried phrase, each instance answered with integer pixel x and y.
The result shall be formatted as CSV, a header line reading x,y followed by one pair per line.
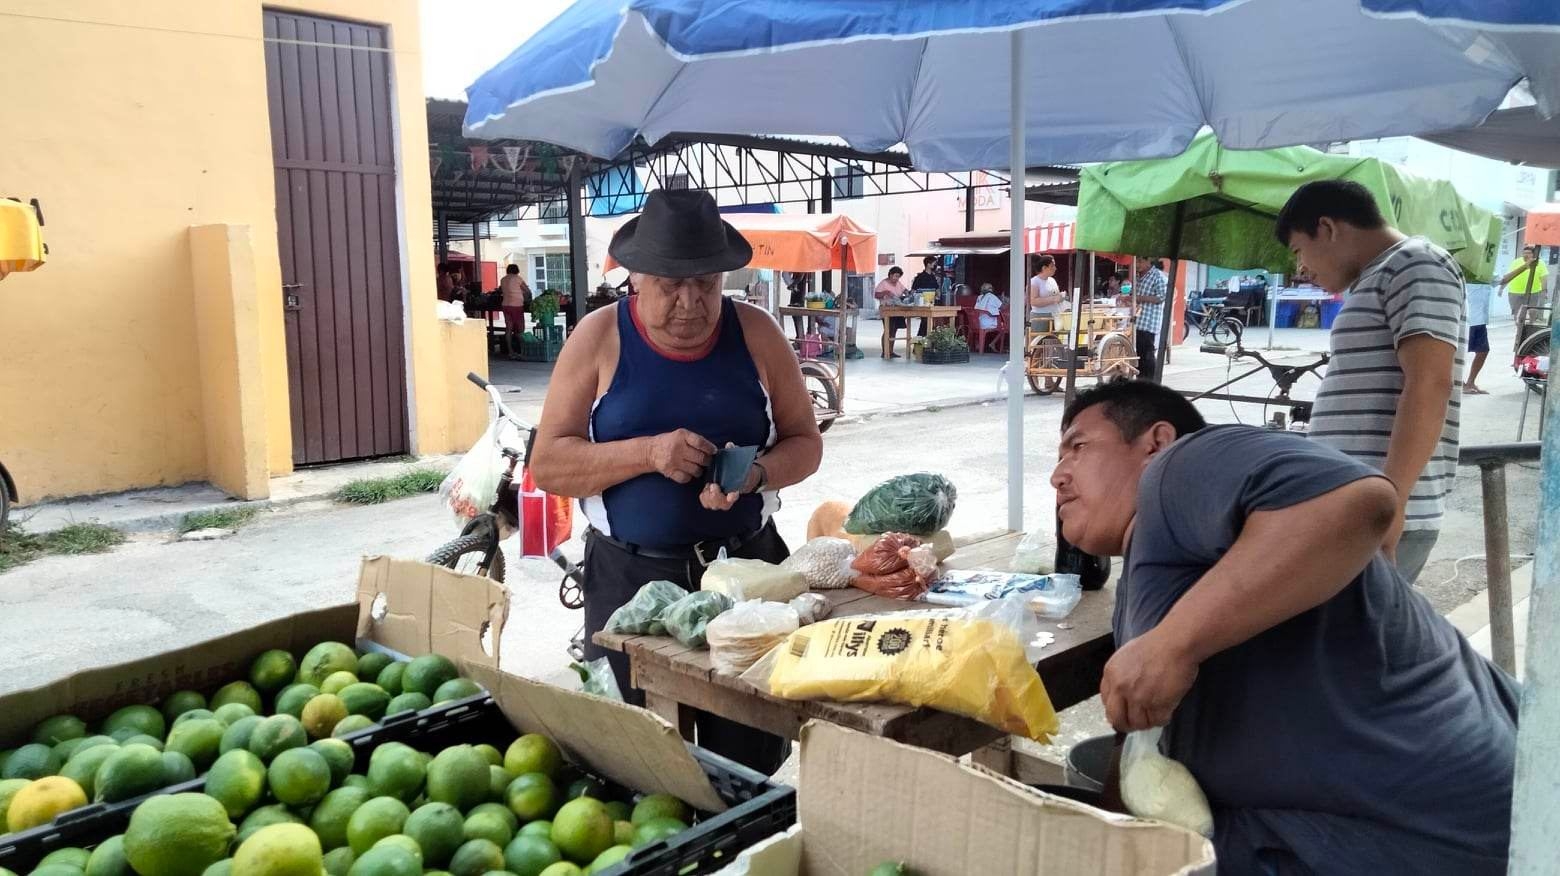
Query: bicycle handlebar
x,y
476,378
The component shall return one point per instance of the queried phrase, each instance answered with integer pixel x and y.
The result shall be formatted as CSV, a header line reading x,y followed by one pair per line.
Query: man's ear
x,y
1326,229
1159,436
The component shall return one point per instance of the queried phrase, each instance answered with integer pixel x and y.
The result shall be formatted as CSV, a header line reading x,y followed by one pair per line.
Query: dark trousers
x,y
897,323
612,577
1147,364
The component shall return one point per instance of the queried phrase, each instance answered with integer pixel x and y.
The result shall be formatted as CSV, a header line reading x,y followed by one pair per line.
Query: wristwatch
x,y
763,478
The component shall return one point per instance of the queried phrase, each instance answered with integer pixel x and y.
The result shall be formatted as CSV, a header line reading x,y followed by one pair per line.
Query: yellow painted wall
x,y
227,329
134,122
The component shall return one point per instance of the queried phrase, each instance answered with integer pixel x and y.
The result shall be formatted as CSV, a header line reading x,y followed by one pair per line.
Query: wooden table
x,y
932,313
676,680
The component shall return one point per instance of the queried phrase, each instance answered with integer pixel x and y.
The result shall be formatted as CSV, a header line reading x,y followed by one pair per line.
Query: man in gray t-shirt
x,y
1335,721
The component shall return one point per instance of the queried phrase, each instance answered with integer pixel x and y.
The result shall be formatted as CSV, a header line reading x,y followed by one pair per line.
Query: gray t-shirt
x,y
1362,736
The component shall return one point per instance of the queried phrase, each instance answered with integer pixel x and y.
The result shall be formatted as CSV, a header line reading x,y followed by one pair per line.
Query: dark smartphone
x,y
729,467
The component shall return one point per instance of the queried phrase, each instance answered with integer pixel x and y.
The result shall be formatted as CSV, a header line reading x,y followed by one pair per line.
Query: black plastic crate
x,y
759,808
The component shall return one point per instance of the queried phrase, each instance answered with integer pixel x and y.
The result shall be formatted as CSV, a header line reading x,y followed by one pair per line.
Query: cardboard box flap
x,y
863,800
624,743
417,608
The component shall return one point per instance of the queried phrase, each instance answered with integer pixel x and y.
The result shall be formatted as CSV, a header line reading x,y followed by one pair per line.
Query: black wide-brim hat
x,y
679,233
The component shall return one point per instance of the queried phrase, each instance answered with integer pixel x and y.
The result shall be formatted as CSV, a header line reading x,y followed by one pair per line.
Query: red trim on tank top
x,y
708,348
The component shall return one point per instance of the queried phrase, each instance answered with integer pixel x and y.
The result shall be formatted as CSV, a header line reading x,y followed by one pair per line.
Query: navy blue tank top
x,y
718,396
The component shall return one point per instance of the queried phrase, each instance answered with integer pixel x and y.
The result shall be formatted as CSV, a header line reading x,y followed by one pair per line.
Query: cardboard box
x,y
403,605
864,800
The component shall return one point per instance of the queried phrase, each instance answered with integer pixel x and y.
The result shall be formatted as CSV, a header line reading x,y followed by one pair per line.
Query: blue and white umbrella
x,y
956,82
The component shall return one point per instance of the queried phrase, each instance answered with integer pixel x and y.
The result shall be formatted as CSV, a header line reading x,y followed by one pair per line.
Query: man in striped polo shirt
x,y
1394,385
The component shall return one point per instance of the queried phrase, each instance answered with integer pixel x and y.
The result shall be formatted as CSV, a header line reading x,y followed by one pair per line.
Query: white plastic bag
x,y
824,563
1154,786
740,636
472,486
451,311
743,579
810,607
1059,599
1035,554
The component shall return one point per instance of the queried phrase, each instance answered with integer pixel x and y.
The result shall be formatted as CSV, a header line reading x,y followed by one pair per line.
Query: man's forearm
x,y
791,461
1416,430
578,467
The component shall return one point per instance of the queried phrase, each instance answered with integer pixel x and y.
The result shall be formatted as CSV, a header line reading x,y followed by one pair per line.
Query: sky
x,y
461,39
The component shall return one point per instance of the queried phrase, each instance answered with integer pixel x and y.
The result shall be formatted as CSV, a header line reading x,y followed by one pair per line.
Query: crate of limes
x,y
449,790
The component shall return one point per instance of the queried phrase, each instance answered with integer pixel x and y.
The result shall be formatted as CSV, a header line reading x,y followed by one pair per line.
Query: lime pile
x,y
238,732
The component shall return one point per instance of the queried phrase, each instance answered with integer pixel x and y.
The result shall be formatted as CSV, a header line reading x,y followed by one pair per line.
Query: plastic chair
x,y
998,343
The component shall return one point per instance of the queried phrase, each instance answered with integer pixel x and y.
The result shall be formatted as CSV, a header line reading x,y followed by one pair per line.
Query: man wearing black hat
x,y
643,394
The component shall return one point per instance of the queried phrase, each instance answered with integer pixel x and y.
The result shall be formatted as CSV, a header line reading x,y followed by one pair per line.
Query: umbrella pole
x,y
1016,296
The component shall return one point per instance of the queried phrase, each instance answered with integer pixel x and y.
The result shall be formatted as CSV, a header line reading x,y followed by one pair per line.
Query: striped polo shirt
x,y
1413,288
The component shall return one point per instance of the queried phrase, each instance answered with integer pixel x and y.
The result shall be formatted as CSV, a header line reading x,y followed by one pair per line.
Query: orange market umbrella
x,y
803,242
1543,225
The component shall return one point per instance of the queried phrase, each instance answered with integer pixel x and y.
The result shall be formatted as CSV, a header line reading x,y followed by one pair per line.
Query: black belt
x,y
703,553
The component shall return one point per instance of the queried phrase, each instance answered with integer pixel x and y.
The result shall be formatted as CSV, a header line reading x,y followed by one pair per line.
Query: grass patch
x,y
18,548
373,491
218,518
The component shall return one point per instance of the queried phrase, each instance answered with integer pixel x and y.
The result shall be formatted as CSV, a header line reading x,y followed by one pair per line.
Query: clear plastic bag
x,y
897,566
642,615
1154,786
687,618
743,579
824,563
1058,600
1035,554
919,504
739,637
598,679
810,607
472,486
977,662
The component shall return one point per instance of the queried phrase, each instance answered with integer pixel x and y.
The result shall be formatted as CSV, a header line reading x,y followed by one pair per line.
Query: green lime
x,y
142,739
72,747
496,824
280,850
533,753
424,674
351,724
299,777
177,767
324,659
396,769
619,810
372,663
294,697
108,859
659,806
656,829
181,702
331,815
68,857
374,820
437,828
532,796
492,755
191,715
498,783
266,816
32,761
459,776
541,827
339,755
336,681
272,671
275,735
241,692
238,733
401,840
456,689
622,833
407,702
530,855
56,870
322,714
475,857
237,780
177,835
338,861
582,829
231,713
386,861
606,859
586,787
563,868
199,740
140,718
364,698
83,768
223,867
129,771
53,731
390,677
8,789
357,780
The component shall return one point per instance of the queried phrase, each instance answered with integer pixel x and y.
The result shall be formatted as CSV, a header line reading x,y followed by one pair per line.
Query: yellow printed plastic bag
x,y
971,663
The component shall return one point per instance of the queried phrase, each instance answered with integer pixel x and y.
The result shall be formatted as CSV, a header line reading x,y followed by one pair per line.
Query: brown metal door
x,y
332,145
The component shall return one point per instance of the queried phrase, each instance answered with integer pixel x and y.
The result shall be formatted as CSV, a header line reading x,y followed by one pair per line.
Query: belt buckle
x,y
698,553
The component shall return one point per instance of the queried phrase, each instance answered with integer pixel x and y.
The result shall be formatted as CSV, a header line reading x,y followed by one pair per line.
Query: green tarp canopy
x,y
1228,200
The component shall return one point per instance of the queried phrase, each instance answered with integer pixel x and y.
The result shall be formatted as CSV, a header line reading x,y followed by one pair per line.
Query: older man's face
x,y
681,311
1096,481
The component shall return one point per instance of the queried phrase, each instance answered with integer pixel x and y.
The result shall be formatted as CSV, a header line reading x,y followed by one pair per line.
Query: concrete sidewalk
x,y
1472,618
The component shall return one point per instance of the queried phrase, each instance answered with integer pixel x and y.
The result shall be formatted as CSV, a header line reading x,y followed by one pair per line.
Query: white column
x,y
1018,299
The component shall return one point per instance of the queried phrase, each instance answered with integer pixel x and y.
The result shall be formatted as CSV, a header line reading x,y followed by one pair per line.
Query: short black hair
x,y
1342,200
444,266
1043,262
1135,405
1533,247
928,260
896,270
512,269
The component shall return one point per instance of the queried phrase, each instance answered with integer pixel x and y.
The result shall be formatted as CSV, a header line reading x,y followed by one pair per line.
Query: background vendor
x,y
1336,722
644,392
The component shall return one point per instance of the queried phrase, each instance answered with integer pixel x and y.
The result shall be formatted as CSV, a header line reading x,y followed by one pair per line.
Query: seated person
x,y
989,307
1336,722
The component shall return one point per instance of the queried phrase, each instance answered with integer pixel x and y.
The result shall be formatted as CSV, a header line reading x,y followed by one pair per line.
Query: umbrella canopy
x,y
1543,226
802,242
1518,136
1142,77
1228,201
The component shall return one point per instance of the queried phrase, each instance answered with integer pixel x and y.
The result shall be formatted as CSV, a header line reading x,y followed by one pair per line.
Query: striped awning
x,y
1050,237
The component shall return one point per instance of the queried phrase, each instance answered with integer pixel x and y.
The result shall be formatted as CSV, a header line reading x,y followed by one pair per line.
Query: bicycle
x,y
477,551
1284,378
1216,323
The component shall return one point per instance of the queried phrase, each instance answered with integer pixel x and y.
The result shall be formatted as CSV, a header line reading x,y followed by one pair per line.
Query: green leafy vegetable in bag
x,y
918,504
641,616
688,617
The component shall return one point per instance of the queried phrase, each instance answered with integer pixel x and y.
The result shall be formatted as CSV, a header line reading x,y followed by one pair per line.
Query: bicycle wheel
x,y
1226,331
474,554
1537,344
825,395
5,510
1046,351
